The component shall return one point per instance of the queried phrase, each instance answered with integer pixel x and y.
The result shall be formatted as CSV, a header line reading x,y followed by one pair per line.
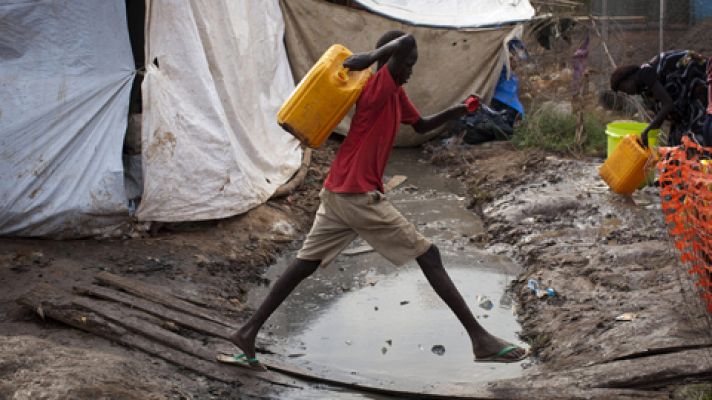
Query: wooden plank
x,y
52,303
514,389
130,320
184,320
358,250
620,18
59,306
162,297
655,371
394,182
360,383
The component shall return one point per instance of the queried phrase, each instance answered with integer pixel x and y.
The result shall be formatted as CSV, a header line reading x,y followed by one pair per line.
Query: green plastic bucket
x,y
617,130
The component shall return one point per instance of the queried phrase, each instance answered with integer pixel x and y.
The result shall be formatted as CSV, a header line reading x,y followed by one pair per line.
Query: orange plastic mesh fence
x,y
686,195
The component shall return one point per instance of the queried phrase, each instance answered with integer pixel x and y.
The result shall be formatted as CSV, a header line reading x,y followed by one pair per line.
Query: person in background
x,y
707,130
674,86
496,121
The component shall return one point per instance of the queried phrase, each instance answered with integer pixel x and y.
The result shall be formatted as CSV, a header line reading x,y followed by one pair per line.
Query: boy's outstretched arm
x,y
426,124
394,53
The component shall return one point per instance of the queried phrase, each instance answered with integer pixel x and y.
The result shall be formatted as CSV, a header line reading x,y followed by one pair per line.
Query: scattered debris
x,y
283,228
438,349
484,302
533,285
357,250
627,317
372,280
410,189
506,300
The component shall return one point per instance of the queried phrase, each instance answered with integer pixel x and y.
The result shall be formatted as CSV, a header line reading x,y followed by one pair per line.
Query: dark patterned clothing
x,y
709,85
679,71
707,130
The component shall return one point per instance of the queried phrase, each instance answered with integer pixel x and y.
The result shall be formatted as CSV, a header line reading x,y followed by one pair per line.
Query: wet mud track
x,y
513,216
625,314
361,316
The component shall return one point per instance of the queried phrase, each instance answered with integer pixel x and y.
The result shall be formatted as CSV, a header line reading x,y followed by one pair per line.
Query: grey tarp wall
x,y
65,78
452,64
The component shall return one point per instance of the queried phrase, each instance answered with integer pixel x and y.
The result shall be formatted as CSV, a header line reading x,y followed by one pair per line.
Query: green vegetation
x,y
554,130
693,392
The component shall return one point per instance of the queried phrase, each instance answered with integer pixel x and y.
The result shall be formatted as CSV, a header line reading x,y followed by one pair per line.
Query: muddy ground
x,y
603,255
215,263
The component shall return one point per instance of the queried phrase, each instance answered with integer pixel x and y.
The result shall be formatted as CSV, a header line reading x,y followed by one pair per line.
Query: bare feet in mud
x,y
495,349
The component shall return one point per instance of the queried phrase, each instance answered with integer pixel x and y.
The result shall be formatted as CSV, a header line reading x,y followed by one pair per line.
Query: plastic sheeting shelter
x,y
452,13
65,78
211,146
452,63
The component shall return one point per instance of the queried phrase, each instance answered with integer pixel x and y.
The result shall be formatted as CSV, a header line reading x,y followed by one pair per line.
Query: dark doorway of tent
x,y
133,181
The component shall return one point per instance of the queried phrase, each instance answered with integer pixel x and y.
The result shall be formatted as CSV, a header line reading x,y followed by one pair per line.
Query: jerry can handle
x,y
342,74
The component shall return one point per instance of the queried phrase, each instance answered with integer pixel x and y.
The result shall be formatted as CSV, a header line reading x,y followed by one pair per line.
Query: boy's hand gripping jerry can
x,y
322,99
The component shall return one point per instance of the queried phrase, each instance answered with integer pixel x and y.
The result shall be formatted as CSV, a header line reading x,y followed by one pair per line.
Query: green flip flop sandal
x,y
501,356
241,360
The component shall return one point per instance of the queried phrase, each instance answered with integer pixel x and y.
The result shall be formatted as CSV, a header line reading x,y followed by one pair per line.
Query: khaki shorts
x,y
342,217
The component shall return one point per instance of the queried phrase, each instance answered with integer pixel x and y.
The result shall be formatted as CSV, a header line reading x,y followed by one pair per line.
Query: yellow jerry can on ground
x,y
322,99
624,170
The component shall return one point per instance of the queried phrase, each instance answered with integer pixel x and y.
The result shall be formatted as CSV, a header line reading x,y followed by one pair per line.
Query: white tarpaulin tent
x,y
211,145
452,13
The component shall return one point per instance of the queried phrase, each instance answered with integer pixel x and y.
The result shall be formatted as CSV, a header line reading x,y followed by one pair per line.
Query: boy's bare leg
x,y
299,270
483,343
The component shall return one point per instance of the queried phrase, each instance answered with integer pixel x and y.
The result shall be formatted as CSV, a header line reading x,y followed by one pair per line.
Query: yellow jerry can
x,y
322,98
624,170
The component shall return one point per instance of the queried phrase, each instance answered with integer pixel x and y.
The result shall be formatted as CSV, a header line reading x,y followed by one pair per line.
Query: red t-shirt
x,y
362,157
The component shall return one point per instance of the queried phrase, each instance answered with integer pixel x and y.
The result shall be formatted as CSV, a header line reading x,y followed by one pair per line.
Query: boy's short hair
x,y
388,36
622,73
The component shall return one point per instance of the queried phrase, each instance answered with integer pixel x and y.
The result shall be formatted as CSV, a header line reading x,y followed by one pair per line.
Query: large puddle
x,y
364,316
